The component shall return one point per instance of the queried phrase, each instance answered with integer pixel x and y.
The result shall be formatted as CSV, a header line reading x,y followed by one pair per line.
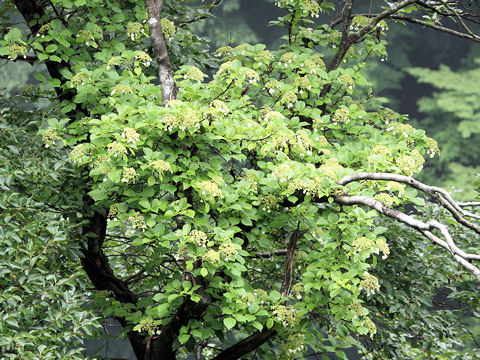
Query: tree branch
x,y
437,27
27,58
165,70
442,196
425,228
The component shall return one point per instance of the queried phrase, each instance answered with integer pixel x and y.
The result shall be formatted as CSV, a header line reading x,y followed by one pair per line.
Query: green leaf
x,y
229,322
98,195
275,295
342,331
51,48
183,338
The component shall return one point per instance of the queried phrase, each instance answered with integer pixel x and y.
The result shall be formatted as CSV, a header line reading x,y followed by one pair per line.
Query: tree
x,y
239,214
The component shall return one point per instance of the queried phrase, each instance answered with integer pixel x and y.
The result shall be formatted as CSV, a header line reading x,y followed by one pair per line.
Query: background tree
x,y
238,213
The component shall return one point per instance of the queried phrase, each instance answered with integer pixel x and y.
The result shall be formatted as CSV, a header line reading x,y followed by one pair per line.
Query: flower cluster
x,y
212,256
116,60
223,51
224,68
113,212
129,174
283,172
251,76
318,233
370,325
130,135
251,178
228,250
362,243
407,164
294,344
347,80
194,73
209,188
356,308
121,89
168,28
280,3
341,116
311,67
330,168
333,38
219,106
304,143
369,284
381,150
161,166
385,199
80,78
77,153
188,119
286,315
286,59
383,247
395,186
359,22
115,148
86,36
402,129
296,184
270,202
149,326
264,56
143,58
432,147
272,86
137,221
297,290
49,136
322,141
44,29
318,61
101,164
302,83
273,115
198,237
134,30
312,8
289,98
389,116
14,49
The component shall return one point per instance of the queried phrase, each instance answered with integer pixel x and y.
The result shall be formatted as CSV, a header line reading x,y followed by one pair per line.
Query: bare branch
x,y
267,255
442,196
437,27
470,203
425,228
345,42
28,58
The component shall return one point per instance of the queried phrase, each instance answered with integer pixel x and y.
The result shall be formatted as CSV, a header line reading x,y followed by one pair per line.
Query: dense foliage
x,y
210,209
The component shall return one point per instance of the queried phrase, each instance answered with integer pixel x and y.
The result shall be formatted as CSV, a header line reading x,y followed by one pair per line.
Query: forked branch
x,y
443,198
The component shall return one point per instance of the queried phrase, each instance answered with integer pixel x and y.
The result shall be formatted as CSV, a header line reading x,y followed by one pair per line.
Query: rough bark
x,y
165,71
